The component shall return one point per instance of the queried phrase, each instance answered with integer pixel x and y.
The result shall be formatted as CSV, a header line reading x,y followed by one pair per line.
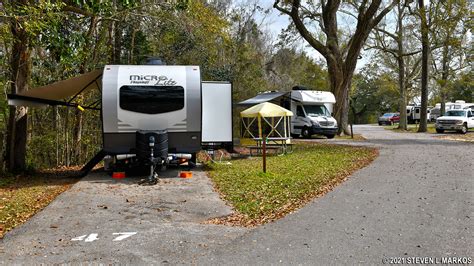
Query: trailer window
x,y
151,99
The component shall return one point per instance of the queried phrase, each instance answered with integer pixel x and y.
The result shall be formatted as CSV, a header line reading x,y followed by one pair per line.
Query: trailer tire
x,y
193,159
305,133
330,136
439,130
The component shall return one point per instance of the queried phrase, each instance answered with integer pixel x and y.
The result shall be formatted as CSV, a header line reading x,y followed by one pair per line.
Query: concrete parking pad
x,y
166,219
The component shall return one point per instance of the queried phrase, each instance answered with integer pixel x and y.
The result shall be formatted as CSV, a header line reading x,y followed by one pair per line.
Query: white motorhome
x,y
313,113
156,112
312,110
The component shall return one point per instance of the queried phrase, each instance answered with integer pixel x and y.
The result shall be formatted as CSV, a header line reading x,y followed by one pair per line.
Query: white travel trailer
x,y
151,114
414,113
312,109
458,104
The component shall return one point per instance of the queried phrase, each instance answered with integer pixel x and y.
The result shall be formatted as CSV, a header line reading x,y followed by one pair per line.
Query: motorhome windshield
x,y
151,99
316,110
455,113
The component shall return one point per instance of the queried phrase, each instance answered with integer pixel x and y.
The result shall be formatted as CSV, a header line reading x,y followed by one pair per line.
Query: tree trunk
x,y
56,130
444,74
402,103
117,43
77,137
340,86
424,68
401,71
20,70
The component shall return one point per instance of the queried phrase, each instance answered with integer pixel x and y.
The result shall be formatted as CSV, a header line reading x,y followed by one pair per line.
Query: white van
x,y
312,113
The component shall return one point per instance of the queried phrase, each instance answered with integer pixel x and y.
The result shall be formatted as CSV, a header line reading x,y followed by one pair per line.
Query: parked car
x,y
456,119
389,119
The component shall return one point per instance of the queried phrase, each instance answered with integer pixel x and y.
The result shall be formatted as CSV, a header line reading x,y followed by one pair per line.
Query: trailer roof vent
x,y
155,61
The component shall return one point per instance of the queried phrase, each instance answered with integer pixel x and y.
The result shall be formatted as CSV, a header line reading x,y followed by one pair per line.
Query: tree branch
x,y
294,14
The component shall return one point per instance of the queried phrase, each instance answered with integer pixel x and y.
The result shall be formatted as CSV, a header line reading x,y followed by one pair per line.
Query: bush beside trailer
x,y
168,106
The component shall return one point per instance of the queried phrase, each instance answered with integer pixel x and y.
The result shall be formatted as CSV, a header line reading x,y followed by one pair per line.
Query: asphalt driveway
x,y
415,200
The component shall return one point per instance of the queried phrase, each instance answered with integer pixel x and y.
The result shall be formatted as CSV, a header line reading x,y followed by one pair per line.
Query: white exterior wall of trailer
x,y
151,97
216,113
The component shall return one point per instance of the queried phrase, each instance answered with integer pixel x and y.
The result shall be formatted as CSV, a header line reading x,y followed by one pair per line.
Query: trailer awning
x,y
263,97
59,93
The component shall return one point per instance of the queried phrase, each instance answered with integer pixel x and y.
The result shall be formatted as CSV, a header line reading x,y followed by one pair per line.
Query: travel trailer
x,y
312,110
151,114
414,113
458,104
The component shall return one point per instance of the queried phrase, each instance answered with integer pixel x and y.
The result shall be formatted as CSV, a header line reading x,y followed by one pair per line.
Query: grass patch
x,y
345,137
411,128
291,180
349,137
469,137
23,196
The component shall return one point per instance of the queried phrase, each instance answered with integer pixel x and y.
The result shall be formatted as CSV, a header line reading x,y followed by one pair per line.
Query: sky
x,y
275,22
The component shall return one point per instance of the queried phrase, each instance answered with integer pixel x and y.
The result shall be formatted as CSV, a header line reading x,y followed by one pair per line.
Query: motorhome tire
x,y
439,130
295,136
330,136
305,133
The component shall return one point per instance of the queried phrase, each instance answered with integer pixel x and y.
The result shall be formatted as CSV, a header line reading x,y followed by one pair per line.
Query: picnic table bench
x,y
277,145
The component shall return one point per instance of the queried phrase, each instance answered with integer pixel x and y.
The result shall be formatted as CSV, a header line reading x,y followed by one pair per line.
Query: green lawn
x,y
290,181
411,128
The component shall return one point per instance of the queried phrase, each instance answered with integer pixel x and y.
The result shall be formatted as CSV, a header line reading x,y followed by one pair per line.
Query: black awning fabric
x,y
262,97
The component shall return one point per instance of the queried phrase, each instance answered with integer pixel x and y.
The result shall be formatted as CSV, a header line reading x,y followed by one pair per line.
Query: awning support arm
x,y
94,104
85,87
46,101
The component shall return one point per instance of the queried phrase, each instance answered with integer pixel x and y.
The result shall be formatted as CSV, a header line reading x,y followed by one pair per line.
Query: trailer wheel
x,y
330,136
439,130
192,162
305,133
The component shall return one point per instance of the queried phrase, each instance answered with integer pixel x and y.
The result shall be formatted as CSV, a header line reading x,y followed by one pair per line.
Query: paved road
x,y
415,199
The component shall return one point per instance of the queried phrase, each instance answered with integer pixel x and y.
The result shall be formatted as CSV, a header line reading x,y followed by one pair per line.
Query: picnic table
x,y
276,144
